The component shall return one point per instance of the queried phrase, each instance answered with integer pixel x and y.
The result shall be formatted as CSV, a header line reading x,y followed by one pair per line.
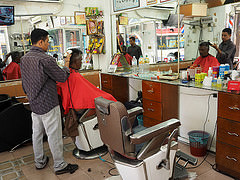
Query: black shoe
x,y
45,164
70,168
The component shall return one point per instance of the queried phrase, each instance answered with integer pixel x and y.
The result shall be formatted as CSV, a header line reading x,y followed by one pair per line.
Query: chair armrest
x,y
151,132
135,111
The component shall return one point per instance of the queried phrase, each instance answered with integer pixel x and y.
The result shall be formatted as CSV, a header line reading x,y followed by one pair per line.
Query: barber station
x,y
119,90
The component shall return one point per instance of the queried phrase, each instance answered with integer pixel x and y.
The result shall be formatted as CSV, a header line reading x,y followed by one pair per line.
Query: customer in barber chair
x,y
205,60
12,71
77,92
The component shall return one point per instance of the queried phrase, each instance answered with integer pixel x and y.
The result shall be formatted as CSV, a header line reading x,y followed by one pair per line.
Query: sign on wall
x,y
119,5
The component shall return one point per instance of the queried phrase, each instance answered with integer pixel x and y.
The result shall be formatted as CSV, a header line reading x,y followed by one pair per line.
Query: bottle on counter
x,y
134,64
225,83
214,82
210,71
219,82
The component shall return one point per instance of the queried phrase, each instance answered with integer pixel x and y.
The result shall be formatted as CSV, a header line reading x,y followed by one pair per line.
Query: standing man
x,y
39,75
226,50
134,50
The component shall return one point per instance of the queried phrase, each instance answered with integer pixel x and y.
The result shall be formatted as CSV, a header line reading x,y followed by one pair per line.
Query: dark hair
x,y
206,44
38,34
55,56
15,56
175,54
227,30
75,52
132,38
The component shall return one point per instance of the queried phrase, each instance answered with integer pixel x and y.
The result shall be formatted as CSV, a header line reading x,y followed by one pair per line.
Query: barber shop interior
x,y
119,89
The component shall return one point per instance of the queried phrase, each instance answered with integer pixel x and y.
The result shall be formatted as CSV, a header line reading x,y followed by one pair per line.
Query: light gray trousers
x,y
52,125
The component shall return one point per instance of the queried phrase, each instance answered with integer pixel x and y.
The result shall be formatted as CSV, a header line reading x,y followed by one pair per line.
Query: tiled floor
x,y
19,165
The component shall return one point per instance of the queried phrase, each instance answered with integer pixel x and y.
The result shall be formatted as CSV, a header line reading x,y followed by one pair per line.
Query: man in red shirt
x,y
205,60
12,71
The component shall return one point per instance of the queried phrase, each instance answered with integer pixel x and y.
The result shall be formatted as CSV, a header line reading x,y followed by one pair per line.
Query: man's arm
x,y
54,71
216,47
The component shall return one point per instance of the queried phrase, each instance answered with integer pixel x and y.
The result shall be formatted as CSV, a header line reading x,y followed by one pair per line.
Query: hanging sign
x,y
119,5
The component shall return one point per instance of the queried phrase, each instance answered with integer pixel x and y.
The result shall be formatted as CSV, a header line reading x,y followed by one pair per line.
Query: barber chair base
x,y
147,169
95,153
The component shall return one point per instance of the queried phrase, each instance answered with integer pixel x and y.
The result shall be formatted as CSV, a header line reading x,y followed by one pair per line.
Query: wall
x,y
67,8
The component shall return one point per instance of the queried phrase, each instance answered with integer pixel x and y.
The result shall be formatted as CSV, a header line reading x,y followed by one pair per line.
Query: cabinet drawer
x,y
149,122
228,158
106,81
228,132
229,106
107,90
151,90
152,109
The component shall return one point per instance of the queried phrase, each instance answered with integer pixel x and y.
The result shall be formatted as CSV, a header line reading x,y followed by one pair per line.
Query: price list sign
x,y
119,5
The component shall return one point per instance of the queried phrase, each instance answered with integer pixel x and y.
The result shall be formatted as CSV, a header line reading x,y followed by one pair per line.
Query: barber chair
x,y
147,154
16,126
88,144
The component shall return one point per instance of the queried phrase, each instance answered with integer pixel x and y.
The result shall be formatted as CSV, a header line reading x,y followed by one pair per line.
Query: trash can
x,y
5,101
198,142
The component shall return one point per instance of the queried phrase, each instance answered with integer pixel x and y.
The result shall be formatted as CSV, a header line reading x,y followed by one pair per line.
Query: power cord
x,y
208,109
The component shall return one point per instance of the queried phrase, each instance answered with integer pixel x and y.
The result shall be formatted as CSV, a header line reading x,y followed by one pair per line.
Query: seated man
x,y
12,71
77,92
205,60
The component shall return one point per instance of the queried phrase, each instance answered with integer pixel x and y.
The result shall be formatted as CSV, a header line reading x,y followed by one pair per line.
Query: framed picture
x,y
80,17
92,27
100,27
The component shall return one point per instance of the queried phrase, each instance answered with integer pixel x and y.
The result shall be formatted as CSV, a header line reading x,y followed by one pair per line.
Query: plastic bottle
x,y
214,82
134,64
225,83
210,71
134,61
219,82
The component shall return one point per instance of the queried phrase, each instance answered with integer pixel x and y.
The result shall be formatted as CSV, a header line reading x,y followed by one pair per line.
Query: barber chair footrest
x,y
95,153
180,172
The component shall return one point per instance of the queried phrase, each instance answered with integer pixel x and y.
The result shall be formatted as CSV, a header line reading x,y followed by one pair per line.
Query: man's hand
x,y
214,46
67,59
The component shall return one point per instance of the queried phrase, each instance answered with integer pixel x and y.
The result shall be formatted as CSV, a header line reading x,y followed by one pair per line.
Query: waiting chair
x,y
16,126
147,154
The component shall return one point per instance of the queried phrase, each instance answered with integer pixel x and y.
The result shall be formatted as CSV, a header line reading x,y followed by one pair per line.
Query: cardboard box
x,y
194,9
214,3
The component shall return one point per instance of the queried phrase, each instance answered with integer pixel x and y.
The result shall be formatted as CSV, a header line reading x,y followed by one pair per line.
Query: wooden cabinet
x,y
228,134
117,86
160,102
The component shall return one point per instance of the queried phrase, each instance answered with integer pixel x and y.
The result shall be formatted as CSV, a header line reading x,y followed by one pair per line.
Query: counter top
x,y
173,82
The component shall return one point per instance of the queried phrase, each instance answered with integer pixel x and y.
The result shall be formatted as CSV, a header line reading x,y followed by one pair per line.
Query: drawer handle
x,y
150,91
149,109
234,108
229,158
105,81
233,134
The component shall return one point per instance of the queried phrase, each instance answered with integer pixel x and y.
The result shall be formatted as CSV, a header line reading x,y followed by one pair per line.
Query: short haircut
x,y
175,54
55,56
15,55
132,38
38,34
75,52
227,30
206,44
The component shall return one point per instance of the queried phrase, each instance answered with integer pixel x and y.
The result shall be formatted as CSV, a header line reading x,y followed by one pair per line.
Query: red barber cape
x,y
206,62
12,71
83,92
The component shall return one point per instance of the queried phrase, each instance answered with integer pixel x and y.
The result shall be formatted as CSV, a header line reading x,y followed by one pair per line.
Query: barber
x,y
2,64
39,75
226,50
134,50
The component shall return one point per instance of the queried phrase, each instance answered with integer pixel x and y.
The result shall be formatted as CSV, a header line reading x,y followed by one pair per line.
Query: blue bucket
x,y
140,120
198,142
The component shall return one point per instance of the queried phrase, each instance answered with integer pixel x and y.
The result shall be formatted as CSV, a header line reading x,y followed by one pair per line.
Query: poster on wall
x,y
119,5
80,17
